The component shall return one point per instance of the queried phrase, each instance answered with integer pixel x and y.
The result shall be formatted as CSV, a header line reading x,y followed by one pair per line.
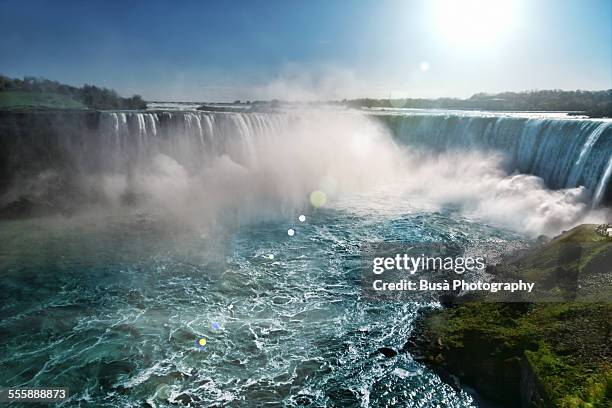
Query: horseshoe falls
x,y
564,152
128,237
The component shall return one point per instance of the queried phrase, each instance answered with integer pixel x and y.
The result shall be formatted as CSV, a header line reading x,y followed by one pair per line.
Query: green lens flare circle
x,y
318,198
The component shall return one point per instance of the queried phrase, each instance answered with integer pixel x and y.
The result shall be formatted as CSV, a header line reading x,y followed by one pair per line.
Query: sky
x,y
310,50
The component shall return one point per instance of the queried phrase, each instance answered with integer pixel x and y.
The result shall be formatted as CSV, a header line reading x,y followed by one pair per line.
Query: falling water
x,y
112,303
563,152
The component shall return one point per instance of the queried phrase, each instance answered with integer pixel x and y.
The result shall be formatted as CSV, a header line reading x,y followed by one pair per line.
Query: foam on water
x,y
111,306
112,300
192,166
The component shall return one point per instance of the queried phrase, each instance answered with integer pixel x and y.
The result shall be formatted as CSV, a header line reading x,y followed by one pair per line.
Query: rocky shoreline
x,y
528,354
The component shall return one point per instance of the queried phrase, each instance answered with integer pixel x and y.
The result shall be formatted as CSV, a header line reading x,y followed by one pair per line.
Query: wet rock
x,y
20,208
387,352
409,345
188,400
303,400
448,378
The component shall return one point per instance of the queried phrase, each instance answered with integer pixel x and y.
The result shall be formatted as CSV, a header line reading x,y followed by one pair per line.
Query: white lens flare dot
x,y
424,66
302,218
290,232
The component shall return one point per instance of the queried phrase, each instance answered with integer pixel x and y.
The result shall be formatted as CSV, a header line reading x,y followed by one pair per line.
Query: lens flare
x,y
201,343
318,198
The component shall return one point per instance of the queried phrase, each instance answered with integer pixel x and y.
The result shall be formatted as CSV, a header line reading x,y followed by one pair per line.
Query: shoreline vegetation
x,y
39,93
595,104
555,354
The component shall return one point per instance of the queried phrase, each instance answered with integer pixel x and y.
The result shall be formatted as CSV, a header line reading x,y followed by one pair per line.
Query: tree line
x,y
91,96
592,103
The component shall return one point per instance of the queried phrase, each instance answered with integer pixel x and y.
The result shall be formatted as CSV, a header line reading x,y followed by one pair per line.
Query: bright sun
x,y
469,23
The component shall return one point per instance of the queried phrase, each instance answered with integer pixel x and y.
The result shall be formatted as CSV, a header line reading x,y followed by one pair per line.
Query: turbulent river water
x,y
112,300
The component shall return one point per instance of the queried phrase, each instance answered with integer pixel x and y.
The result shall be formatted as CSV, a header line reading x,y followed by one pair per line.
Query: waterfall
x,y
601,187
85,143
83,155
564,152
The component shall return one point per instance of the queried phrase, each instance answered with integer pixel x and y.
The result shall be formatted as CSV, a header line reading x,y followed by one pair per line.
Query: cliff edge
x,y
530,354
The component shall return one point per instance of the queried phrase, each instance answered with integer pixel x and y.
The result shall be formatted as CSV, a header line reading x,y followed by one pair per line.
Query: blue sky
x,y
200,50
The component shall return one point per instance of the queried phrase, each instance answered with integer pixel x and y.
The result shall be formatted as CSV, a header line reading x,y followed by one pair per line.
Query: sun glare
x,y
469,23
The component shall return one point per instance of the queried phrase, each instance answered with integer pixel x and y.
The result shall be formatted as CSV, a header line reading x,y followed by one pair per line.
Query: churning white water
x,y
206,169
205,240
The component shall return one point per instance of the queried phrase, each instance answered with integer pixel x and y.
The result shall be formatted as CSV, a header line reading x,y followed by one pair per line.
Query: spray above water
x,y
266,172
181,317
212,170
318,156
478,187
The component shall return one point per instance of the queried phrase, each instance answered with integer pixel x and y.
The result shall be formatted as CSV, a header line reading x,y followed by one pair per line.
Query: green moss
x,y
594,392
563,343
566,344
559,379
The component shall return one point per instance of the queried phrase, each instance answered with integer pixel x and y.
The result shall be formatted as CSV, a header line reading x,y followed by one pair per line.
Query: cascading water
x,y
188,137
70,146
602,186
184,235
564,152
67,160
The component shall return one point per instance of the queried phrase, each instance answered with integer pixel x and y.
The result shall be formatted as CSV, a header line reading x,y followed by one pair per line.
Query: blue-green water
x,y
112,302
111,306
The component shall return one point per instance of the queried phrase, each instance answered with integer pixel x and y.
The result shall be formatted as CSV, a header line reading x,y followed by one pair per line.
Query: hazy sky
x,y
198,50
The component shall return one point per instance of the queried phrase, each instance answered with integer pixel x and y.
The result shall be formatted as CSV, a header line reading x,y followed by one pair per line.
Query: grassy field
x,y
37,100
